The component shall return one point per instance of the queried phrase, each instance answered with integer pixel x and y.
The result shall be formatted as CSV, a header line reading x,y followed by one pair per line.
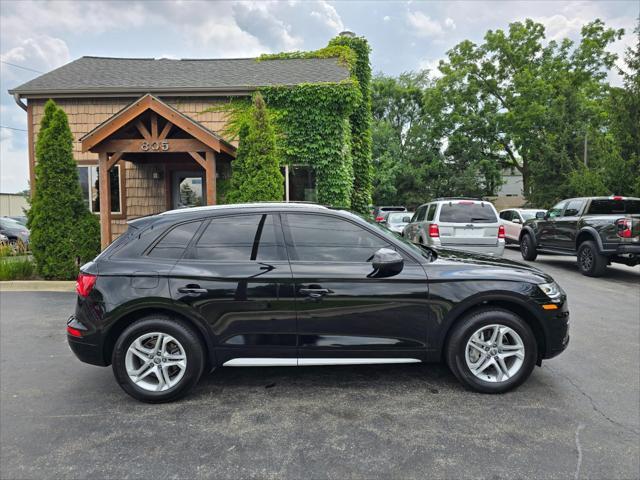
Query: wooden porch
x,y
150,131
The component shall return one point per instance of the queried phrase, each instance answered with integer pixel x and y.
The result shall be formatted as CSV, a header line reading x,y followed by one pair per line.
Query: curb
x,y
37,286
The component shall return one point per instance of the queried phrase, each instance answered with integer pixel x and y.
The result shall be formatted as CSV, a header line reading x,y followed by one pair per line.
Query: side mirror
x,y
406,219
386,262
516,220
540,215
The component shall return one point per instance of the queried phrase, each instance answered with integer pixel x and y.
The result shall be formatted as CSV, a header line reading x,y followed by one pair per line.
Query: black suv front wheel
x,y
492,350
158,359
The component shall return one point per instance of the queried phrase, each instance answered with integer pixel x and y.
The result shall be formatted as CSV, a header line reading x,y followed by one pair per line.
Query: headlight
x,y
551,290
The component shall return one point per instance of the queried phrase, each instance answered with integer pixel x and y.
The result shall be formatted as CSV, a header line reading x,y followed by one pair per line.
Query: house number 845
x,y
155,146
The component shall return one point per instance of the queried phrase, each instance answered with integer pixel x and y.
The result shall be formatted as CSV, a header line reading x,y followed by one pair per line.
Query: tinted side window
x,y
240,238
556,210
420,213
506,215
173,244
432,212
573,208
319,238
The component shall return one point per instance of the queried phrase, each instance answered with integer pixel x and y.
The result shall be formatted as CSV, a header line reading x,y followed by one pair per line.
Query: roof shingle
x,y
135,75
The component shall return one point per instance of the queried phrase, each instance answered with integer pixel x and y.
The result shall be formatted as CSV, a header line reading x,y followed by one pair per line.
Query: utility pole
x,y
585,147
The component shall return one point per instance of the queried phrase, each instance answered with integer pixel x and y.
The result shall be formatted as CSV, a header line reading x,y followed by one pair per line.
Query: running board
x,y
308,362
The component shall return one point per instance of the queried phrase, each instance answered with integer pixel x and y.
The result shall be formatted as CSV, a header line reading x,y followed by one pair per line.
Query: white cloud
x,y
431,65
559,26
328,15
386,18
14,162
42,53
228,40
423,25
449,23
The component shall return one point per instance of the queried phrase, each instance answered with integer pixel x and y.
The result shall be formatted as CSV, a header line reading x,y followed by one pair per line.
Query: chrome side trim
x,y
307,362
261,362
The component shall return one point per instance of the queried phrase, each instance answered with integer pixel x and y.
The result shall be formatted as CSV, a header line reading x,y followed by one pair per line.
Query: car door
x,y
566,226
344,310
236,275
414,226
547,226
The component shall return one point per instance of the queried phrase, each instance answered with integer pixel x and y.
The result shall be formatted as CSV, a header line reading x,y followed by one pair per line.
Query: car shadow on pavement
x,y
632,274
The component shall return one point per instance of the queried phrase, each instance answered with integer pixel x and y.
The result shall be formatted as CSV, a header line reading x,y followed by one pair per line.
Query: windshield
x,y
530,215
10,223
398,217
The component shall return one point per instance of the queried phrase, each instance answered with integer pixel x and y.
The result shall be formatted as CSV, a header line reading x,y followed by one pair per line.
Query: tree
x,y
256,171
528,104
63,231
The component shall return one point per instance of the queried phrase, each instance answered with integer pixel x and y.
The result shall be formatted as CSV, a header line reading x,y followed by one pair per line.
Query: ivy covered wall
x,y
327,125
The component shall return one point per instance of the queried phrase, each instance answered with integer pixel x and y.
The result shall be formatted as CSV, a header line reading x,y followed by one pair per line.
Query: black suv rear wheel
x,y
492,350
158,359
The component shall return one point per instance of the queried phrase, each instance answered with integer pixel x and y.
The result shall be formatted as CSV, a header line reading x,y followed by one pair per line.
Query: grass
x,y
16,268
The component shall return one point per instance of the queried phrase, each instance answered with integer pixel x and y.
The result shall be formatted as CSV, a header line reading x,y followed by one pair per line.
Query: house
x,y
145,137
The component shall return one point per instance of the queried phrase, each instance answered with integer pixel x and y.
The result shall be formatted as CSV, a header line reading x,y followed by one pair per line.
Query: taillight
x,y
434,231
379,219
74,332
85,283
501,231
617,197
623,227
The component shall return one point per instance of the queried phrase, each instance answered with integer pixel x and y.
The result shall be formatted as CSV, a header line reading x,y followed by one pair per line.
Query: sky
x,y
38,36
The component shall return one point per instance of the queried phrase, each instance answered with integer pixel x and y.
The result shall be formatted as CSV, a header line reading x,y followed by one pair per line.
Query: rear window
x,y
393,209
609,206
467,213
173,244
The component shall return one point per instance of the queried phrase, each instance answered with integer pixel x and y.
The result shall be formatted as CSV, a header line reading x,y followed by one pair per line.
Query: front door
x,y
236,276
187,189
344,311
567,225
548,235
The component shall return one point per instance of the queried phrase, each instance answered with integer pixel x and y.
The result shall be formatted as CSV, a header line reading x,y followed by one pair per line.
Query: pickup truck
x,y
598,230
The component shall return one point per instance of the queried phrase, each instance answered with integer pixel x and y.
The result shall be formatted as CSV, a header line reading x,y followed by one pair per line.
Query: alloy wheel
x,y
495,353
155,361
586,259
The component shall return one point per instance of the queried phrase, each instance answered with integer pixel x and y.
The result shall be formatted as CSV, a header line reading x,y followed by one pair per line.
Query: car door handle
x,y
314,292
193,290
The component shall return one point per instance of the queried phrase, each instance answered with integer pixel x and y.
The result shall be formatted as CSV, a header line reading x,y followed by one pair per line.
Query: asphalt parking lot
x,y
577,417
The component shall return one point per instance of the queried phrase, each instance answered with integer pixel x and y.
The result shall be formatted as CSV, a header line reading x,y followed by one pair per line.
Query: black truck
x,y
598,230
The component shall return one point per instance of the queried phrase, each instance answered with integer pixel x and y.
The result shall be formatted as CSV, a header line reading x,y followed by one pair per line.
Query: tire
x,y
509,324
590,262
182,342
528,248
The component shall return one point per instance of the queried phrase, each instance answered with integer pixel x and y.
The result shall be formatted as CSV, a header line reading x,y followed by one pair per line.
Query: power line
x,y
20,66
13,128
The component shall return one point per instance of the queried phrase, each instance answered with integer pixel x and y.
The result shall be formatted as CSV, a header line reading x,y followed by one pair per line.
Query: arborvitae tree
x,y
63,232
256,169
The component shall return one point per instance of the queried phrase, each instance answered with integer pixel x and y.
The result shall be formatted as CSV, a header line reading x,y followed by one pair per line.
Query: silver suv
x,y
463,224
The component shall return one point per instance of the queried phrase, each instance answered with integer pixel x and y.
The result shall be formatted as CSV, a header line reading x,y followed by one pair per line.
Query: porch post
x,y
210,175
105,200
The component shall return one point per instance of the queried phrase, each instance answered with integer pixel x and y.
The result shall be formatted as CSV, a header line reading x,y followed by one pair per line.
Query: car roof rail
x,y
444,199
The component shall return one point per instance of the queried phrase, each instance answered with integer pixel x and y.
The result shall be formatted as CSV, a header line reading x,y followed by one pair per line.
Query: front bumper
x,y
556,329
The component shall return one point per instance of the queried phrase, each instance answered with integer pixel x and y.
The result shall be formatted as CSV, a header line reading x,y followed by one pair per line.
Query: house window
x,y
302,183
90,185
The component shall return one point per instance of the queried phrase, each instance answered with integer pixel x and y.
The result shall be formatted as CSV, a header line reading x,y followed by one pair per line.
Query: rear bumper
x,y
624,249
87,349
492,250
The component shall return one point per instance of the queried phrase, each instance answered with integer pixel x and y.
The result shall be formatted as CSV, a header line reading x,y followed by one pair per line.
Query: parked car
x,y
3,239
463,224
598,230
379,212
17,233
396,221
22,220
186,291
513,219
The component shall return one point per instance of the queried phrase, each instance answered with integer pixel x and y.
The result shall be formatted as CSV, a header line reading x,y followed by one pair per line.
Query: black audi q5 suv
x,y
188,291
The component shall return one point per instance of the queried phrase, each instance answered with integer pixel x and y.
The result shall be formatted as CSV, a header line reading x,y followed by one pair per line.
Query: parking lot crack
x,y
593,403
579,449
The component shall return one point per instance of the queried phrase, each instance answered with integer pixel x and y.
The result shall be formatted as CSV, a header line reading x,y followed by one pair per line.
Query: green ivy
x,y
326,125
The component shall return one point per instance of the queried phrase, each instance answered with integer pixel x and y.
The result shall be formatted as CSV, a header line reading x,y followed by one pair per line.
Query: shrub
x,y
61,230
256,170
